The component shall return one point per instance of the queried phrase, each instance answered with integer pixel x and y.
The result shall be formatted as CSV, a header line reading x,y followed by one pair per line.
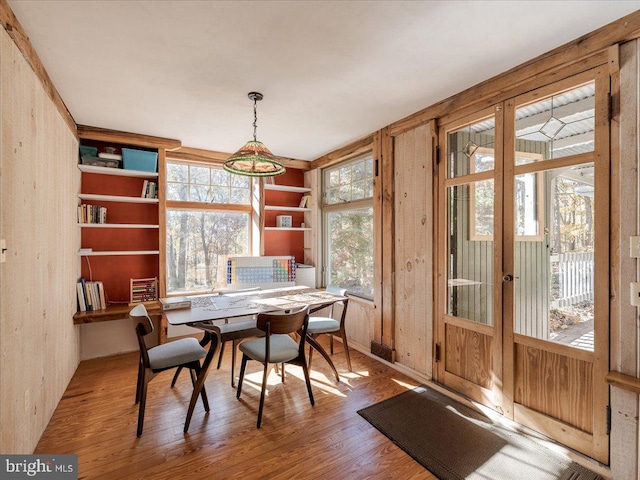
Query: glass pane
x,y
177,172
198,244
177,191
239,181
350,250
470,268
554,284
369,189
557,126
221,177
199,193
346,183
471,149
358,190
200,175
334,178
239,196
528,205
220,195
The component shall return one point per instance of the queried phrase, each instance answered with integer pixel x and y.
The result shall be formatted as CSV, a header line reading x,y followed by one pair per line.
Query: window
x,y
348,222
208,218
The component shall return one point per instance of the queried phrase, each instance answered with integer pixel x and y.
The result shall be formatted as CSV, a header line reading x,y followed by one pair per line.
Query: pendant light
x,y
254,159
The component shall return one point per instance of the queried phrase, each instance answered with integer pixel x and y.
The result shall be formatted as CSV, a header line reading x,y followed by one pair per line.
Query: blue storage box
x,y
140,160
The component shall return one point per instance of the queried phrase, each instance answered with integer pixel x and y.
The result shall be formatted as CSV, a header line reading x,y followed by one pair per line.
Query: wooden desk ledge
x,y
112,312
621,380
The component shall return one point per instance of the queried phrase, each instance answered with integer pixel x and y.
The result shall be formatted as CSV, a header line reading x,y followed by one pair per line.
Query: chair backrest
x,y
343,293
143,326
282,323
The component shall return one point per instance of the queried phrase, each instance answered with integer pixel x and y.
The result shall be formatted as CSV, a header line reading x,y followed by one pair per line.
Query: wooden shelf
x,y
104,253
116,198
300,229
117,171
286,209
117,225
286,188
112,312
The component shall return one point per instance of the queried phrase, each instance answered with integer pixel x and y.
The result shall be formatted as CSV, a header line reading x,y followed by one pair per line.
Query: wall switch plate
x,y
635,294
634,247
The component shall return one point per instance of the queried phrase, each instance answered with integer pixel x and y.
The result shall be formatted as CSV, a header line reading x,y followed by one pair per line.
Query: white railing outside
x,y
572,278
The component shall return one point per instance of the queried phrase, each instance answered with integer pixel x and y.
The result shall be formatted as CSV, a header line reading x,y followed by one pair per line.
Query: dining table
x,y
232,316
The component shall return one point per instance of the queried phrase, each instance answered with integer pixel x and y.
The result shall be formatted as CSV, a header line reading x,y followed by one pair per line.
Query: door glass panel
x,y
554,287
470,252
468,148
558,126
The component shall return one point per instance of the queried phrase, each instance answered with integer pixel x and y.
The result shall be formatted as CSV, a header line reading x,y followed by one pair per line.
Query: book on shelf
x,y
305,201
110,156
82,305
175,303
91,296
92,214
149,189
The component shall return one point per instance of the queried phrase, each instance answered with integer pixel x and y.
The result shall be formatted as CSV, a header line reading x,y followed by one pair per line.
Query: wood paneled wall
x,y
413,244
625,212
38,187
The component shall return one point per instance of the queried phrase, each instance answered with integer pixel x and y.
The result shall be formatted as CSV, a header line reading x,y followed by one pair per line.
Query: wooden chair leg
x,y
264,388
203,393
282,373
175,376
220,356
143,400
311,350
331,343
345,345
242,369
233,363
139,382
308,381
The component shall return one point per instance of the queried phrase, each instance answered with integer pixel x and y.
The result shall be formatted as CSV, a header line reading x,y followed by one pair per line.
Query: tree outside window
x,y
348,214
208,219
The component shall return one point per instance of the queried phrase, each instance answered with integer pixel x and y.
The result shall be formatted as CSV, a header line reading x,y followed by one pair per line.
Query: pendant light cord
x,y
255,119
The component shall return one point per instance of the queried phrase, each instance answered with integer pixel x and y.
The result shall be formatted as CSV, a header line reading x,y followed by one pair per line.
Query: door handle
x,y
507,278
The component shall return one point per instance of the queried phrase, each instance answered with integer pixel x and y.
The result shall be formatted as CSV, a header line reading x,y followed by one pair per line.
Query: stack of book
x,y
149,189
91,296
92,214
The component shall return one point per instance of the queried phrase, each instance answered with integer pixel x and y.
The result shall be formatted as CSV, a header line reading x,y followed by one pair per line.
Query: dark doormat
x,y
454,442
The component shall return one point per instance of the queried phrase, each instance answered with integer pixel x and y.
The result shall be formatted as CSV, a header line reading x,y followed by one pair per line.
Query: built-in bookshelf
x,y
125,245
285,195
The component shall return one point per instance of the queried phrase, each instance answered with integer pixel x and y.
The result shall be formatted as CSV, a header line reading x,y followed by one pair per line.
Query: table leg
x,y
202,375
314,344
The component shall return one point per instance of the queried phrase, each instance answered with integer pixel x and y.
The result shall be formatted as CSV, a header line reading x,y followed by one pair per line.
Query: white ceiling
x,y
330,71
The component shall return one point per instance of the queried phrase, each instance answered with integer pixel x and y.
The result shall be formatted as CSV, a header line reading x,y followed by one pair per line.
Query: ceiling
x,y
330,71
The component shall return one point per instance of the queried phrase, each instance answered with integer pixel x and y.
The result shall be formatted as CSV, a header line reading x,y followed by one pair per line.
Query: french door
x,y
523,229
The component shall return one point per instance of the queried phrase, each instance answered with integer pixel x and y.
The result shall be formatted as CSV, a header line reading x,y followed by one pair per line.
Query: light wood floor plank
x,y
96,419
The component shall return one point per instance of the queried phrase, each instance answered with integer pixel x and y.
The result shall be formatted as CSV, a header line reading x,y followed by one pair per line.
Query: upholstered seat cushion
x,y
283,349
175,353
322,325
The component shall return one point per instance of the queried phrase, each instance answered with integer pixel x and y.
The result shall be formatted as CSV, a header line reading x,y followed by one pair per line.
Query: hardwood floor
x,y
96,419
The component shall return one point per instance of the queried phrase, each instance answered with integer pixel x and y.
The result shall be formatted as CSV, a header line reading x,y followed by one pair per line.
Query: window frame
x,y
182,205
328,208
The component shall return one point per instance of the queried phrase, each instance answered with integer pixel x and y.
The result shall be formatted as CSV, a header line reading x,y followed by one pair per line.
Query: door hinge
x,y
438,155
437,352
608,407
